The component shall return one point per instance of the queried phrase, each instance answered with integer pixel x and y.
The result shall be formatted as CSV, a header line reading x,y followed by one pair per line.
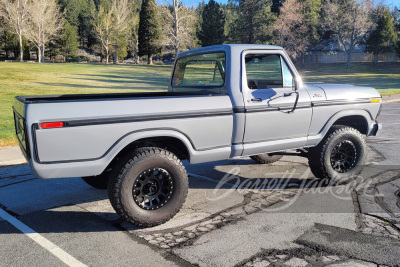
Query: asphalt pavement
x,y
236,213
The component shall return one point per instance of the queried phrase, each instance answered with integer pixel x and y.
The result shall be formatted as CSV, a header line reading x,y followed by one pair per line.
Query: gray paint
x,y
239,127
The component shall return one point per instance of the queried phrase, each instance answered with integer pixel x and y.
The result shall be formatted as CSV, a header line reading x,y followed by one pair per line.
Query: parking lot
x,y
236,213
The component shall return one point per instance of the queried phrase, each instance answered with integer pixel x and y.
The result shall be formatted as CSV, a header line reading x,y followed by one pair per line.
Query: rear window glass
x,y
199,72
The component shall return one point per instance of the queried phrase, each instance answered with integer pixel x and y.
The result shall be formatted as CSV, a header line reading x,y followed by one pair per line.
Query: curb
x,y
390,101
12,162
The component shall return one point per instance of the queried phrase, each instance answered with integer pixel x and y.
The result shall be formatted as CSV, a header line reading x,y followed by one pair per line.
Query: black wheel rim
x,y
343,156
152,188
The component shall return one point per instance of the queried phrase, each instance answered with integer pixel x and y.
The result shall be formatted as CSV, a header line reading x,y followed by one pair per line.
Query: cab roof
x,y
241,47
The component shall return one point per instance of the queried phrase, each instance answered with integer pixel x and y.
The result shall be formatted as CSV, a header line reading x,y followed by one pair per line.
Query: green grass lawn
x,y
44,79
385,77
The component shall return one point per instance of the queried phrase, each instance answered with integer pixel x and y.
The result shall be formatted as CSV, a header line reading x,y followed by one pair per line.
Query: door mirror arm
x,y
294,88
295,103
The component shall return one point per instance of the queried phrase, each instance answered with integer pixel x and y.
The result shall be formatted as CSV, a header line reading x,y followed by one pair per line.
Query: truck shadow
x,y
70,206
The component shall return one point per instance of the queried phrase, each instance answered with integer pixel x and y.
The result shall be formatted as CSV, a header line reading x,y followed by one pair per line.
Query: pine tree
x,y
69,40
212,26
383,38
149,30
276,5
231,15
312,18
254,23
396,16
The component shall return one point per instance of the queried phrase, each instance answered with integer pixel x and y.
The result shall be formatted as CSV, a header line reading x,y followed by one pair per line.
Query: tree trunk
x,y
107,55
43,49
375,59
136,52
39,55
176,28
115,58
348,59
150,59
136,58
21,48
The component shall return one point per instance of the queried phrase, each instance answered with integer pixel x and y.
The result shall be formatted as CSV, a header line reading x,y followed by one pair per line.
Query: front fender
x,y
314,139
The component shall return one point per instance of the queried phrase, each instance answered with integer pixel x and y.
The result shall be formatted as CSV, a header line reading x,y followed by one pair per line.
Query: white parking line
x,y
49,246
202,177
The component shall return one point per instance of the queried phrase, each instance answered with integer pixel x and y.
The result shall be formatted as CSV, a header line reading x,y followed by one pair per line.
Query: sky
x,y
390,3
393,3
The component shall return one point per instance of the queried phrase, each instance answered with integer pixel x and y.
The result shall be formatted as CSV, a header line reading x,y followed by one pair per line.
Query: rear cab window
x,y
203,73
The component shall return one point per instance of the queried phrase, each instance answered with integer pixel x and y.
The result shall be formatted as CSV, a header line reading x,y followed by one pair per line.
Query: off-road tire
x,y
121,187
266,158
340,156
98,181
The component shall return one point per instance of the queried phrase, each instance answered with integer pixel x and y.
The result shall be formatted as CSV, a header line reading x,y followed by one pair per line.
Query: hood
x,y
344,91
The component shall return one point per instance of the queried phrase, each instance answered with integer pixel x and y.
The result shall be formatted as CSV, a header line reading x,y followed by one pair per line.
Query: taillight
x,y
51,125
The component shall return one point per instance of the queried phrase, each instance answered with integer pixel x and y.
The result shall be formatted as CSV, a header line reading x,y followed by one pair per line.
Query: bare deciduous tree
x,y
15,14
178,25
134,38
350,21
111,24
44,21
290,29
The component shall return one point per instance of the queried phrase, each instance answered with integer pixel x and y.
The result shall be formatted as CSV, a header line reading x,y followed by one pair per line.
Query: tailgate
x,y
20,128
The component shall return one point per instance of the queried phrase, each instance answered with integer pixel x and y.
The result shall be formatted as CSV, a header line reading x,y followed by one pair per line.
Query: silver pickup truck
x,y
222,102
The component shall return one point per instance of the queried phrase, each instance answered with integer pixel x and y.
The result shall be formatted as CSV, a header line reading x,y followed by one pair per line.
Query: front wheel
x,y
150,187
340,157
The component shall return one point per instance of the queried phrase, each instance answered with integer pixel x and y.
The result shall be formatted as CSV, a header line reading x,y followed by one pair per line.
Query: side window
x,y
263,71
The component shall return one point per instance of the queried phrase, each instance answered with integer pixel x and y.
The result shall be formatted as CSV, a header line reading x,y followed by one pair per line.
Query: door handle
x,y
256,100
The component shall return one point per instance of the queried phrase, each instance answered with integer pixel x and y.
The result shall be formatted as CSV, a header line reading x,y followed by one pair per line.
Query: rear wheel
x,y
149,188
266,158
340,157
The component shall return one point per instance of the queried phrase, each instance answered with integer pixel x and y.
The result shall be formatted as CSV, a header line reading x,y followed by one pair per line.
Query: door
x,y
271,123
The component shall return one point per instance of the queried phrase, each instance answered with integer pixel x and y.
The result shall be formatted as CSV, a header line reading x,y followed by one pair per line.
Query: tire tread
x,y
116,180
316,154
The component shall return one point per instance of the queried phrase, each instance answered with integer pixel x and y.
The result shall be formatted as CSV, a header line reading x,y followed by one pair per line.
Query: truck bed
x,y
100,97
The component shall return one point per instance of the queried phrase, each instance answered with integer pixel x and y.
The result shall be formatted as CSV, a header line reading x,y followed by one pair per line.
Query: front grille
x,y
20,131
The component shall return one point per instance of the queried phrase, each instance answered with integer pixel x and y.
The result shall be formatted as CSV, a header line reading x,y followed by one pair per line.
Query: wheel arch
x,y
169,139
359,119
357,122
